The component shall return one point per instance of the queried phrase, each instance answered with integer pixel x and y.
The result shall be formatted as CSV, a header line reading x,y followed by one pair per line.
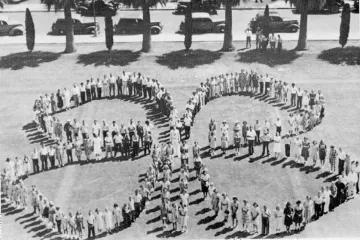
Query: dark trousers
x,y
293,99
112,89
135,149
322,208
279,48
91,230
36,165
299,102
261,87
44,163
130,90
149,92
137,206
265,147
69,155
251,146
119,90
99,93
52,161
144,91
88,94
117,149
248,41
265,225
147,147
287,150
58,224
257,140
341,166
267,85
187,131
141,140
278,130
318,210
69,136
82,96
93,92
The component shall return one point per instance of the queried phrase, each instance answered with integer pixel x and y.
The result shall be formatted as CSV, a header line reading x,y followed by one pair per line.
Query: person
x,y
67,96
288,218
265,216
266,140
91,224
277,145
341,160
35,160
332,158
118,144
234,211
173,215
297,149
251,135
278,217
135,145
322,153
333,200
244,130
108,145
215,202
305,150
205,180
258,33
293,92
264,42
287,142
237,138
105,86
314,152
88,90
105,129
272,40
298,215
79,223
140,133
352,181
224,142
246,216
26,166
117,214
112,82
75,92
82,93
183,212
58,219
212,141
77,146
88,147
43,157
279,45
99,87
108,219
93,89
225,207
97,147
248,37
318,204
126,215
255,217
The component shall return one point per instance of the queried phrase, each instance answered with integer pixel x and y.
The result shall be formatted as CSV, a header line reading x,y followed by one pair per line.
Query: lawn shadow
x,y
106,58
238,235
188,59
268,58
203,211
17,61
223,231
215,225
347,56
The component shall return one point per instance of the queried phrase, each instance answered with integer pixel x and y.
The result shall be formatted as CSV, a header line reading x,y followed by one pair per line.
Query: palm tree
x,y
69,25
303,6
228,37
145,6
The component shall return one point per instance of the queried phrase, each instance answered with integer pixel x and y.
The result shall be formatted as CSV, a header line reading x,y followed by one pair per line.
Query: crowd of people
x,y
262,40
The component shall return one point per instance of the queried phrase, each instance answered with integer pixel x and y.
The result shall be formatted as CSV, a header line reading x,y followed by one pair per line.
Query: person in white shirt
x,y
112,81
299,94
82,93
293,95
43,157
272,40
251,135
114,128
224,128
248,37
96,129
35,160
278,126
267,83
105,89
99,87
187,125
75,92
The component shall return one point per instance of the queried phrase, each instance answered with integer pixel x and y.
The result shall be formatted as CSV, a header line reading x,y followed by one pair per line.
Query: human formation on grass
x,y
165,157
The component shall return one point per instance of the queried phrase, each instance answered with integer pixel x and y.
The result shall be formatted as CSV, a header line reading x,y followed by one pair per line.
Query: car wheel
x,y
293,29
17,32
155,31
221,29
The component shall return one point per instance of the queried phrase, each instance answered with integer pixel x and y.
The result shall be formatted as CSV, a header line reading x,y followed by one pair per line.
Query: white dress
x,y
277,144
175,141
97,145
108,217
67,98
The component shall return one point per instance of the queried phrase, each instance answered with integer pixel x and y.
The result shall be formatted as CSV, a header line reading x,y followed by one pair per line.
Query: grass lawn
x,y
267,181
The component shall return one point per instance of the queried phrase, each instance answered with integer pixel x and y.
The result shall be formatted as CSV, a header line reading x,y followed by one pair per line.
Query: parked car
x,y
81,26
276,23
208,6
356,6
135,25
86,8
202,22
10,27
325,6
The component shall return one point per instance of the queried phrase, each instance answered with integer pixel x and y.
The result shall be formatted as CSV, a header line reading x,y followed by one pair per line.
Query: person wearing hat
x,y
205,180
237,137
298,215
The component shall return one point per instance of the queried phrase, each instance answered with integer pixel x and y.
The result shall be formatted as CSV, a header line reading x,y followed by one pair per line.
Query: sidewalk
x,y
170,6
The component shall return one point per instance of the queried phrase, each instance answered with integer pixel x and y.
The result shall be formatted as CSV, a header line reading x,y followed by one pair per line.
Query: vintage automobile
x,y
10,27
276,23
208,6
86,8
135,25
202,22
321,6
81,26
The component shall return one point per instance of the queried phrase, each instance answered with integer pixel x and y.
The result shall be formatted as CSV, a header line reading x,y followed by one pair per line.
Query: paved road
x,y
320,27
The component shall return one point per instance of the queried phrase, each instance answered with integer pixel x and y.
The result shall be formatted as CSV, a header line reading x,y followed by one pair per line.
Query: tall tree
x,y
30,30
302,41
188,28
109,30
345,25
145,5
69,24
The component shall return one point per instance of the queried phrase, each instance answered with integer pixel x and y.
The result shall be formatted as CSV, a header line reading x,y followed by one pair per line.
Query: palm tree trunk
x,y
69,28
146,44
302,41
228,37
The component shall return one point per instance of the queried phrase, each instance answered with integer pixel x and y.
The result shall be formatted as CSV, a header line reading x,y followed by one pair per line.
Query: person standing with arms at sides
x,y
299,94
67,97
139,81
278,217
135,142
245,216
77,146
69,147
84,129
258,33
105,130
112,82
129,85
312,99
277,145
237,137
267,84
108,142
114,128
82,93
118,144
288,216
97,147
99,87
131,129
255,217
88,90
60,100
297,149
298,215
93,89
43,157
119,84
225,207
332,158
187,125
248,37
341,164
244,130
234,212
147,142
305,100
308,211
265,216
266,141
293,95
224,128
322,153
305,151
75,93
279,45
140,133
285,91
124,79
251,135
278,125
287,142
96,128
88,147
76,128
60,152
314,152
224,142
91,224
272,40
35,160
51,154
105,89
262,84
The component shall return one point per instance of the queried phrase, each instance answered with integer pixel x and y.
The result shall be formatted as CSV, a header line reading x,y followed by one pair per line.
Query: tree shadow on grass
x,y
349,55
268,57
188,59
17,61
106,58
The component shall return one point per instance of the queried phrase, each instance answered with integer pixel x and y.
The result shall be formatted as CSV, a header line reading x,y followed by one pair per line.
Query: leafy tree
x,y
188,28
30,30
145,6
345,25
69,24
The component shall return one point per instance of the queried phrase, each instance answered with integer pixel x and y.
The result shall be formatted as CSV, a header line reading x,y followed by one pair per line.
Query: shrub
x,y
30,30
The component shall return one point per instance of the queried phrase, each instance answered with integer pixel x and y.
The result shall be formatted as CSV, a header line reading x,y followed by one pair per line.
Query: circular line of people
x,y
70,225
